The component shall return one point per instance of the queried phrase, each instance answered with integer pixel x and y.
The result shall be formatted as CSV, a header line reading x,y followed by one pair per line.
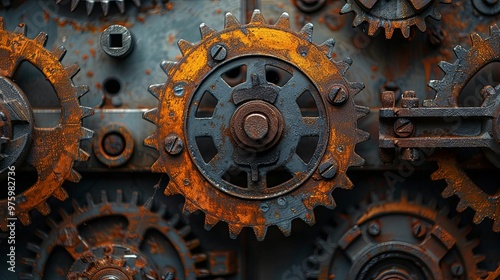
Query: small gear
x,y
457,75
256,125
101,244
396,238
393,14
89,4
52,150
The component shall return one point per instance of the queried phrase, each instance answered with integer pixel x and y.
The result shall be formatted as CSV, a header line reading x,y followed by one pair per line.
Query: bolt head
x,y
419,230
374,228
173,145
218,52
457,269
337,96
264,207
403,127
179,90
328,168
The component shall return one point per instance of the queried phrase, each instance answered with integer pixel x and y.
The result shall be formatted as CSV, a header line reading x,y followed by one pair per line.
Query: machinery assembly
x,y
252,139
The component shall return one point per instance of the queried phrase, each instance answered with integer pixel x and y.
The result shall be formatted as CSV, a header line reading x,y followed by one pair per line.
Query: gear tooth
x,y
309,218
43,208
119,196
420,23
192,244
90,201
472,244
137,2
435,14
41,234
404,197
24,218
81,90
174,220
496,225
494,30
328,46
121,6
150,142
446,67
356,87
51,223
257,17
86,111
435,85
482,274
82,155
202,272
362,136
476,39
74,4
90,7
167,66
260,232
104,197
372,27
64,215
361,111
456,220
283,21
433,204
406,31
478,217
479,258
2,26
33,248
188,208
72,70
105,7
184,231
156,90
206,31
162,211
198,258
234,231
86,133
150,115
346,9
462,205
419,198
60,194
231,21
389,30
41,38
210,221
460,52
74,176
76,206
21,29
28,262
466,230
357,21
135,198
307,32
285,227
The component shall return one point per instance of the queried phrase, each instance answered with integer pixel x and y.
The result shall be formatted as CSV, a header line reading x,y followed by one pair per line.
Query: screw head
x,y
374,228
328,168
281,201
173,145
337,96
457,269
264,207
179,90
218,52
113,144
419,230
403,127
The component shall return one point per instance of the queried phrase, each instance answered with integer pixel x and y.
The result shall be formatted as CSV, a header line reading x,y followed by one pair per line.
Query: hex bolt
x,y
409,99
337,96
68,236
403,127
457,269
218,52
419,230
264,207
173,144
116,41
374,228
328,168
113,144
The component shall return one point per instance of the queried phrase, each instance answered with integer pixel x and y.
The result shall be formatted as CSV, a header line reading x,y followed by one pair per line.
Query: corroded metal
x,y
392,15
410,239
53,150
113,145
206,181
89,5
117,252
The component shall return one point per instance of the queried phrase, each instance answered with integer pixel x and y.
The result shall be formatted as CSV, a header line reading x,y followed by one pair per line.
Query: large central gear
x,y
104,246
52,150
448,90
393,14
397,238
256,125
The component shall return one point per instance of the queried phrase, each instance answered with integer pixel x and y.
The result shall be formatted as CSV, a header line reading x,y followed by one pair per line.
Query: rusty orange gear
x,y
256,40
53,150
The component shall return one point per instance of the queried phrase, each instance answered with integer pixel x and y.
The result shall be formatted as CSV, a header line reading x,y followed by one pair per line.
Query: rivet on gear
x,y
253,144
53,166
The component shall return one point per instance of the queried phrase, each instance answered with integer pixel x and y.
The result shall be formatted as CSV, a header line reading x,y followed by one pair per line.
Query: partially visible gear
x,y
89,4
487,7
393,14
256,125
53,150
101,247
457,75
396,238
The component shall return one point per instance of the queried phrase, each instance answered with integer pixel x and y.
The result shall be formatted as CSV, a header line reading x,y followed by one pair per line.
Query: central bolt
x,y
256,126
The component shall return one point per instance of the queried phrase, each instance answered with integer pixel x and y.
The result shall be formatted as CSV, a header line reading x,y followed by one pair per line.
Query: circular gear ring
x,y
397,239
89,4
53,150
118,250
457,75
256,45
393,14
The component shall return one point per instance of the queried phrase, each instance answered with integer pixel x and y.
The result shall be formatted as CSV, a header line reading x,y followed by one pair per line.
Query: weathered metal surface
x,y
54,150
258,204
